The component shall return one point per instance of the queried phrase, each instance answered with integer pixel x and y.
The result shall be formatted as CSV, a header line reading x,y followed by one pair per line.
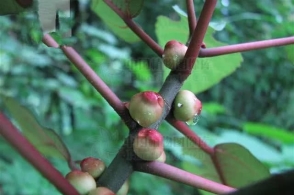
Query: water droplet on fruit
x,y
194,120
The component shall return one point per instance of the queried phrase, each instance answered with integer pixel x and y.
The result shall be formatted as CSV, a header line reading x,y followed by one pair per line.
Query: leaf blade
x,y
113,21
238,166
45,140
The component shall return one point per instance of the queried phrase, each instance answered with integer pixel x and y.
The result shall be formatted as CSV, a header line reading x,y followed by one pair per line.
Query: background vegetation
x,y
253,106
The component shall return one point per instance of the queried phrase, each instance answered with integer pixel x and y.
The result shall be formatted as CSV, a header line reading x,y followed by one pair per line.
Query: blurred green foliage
x,y
260,92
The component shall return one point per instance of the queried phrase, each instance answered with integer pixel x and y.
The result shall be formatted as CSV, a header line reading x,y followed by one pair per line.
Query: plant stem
x,y
176,78
191,16
185,68
29,152
176,174
183,128
223,50
121,165
136,29
95,80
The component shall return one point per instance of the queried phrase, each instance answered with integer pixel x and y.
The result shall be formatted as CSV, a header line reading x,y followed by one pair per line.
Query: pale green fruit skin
x,y
173,54
101,191
146,107
162,157
83,182
93,166
148,144
186,106
124,189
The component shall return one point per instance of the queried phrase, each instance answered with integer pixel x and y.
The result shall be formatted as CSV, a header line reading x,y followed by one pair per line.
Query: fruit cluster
x,y
146,108
84,180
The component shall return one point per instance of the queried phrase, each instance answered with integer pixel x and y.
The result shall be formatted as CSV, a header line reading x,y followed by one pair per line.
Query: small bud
x,y
101,191
93,166
173,54
186,106
83,182
148,144
146,107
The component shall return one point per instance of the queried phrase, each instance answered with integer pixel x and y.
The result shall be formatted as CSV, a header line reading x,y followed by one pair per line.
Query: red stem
x,y
245,47
179,175
94,79
191,135
191,16
27,150
136,29
191,55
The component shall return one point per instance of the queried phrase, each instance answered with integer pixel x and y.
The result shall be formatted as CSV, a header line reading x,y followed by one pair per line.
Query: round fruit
x,y
186,106
93,166
146,107
83,182
148,144
162,157
101,191
173,54
124,189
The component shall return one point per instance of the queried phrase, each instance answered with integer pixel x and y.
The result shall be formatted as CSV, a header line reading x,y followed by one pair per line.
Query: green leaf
x,y
261,150
139,69
207,71
268,131
44,140
10,7
213,108
238,166
113,21
290,53
131,8
205,168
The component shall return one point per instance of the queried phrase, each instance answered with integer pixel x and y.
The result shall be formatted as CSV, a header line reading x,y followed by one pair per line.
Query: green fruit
x,y
162,157
173,54
124,189
148,144
93,166
186,106
101,191
83,182
146,108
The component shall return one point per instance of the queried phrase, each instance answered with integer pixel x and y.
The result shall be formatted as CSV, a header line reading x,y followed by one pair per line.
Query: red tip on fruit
x,y
93,166
146,107
152,97
148,144
172,43
154,136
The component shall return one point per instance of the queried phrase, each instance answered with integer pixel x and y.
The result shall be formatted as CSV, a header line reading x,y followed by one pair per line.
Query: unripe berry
x,y
162,157
124,189
148,144
186,106
173,54
93,166
83,182
146,107
101,191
